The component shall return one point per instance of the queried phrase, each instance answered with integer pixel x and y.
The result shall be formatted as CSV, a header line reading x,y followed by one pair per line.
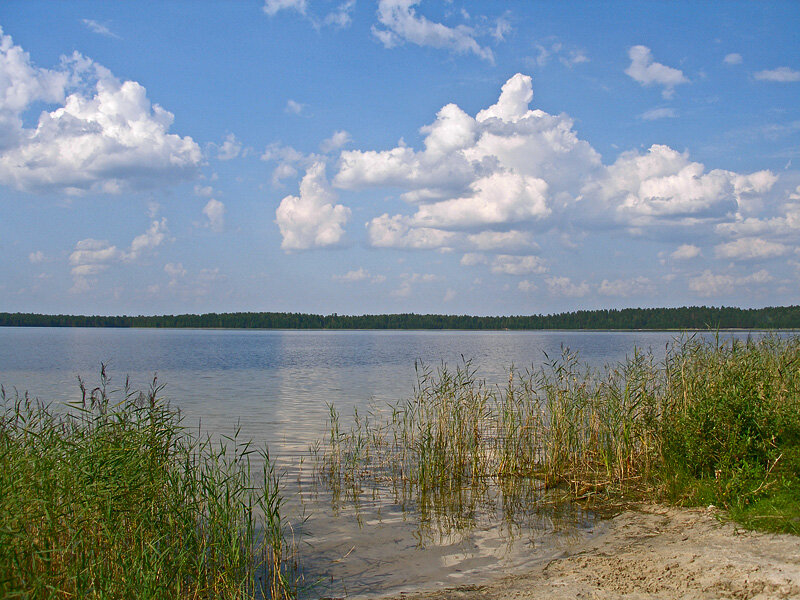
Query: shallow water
x,y
275,388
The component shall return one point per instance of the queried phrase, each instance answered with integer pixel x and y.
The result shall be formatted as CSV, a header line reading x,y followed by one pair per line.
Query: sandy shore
x,y
656,552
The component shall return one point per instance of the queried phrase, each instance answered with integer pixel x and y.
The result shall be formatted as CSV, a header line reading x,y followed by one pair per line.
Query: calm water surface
x,y
276,386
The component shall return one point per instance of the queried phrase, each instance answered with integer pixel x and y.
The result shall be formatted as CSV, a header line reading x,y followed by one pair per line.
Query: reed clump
x,y
714,422
113,498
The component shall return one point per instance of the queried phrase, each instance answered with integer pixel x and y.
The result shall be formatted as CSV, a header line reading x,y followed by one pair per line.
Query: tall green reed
x,y
714,421
113,498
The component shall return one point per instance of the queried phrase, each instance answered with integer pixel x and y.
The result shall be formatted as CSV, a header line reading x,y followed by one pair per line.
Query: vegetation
x,y
115,500
692,317
716,422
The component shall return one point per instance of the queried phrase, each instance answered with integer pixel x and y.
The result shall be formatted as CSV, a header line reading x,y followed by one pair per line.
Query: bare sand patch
x,y
655,552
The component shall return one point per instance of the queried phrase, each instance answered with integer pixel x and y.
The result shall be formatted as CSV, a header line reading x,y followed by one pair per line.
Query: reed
x,y
714,422
113,498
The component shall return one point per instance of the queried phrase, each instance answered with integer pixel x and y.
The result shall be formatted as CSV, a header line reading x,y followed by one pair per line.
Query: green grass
x,y
713,423
114,499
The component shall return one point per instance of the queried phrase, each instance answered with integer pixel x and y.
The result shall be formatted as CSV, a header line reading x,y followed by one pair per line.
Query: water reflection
x,y
275,386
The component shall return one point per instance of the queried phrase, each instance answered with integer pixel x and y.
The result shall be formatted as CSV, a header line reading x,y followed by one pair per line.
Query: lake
x,y
276,387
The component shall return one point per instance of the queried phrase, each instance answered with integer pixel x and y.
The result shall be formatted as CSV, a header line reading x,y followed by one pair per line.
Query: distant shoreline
x,y
689,318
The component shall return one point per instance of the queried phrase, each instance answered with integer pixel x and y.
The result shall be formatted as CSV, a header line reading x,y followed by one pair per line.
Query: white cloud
x,y
37,257
563,286
396,232
518,265
90,257
105,135
501,240
733,59
402,24
99,28
750,249
665,184
658,113
636,286
152,238
311,220
496,199
470,259
503,166
341,16
174,270
230,148
709,284
294,107
780,75
568,58
272,7
336,141
526,286
360,274
214,210
288,160
648,72
686,252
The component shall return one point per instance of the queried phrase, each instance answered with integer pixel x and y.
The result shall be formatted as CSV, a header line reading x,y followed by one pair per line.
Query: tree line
x,y
687,317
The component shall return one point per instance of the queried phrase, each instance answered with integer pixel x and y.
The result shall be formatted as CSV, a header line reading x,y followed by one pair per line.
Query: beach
x,y
655,552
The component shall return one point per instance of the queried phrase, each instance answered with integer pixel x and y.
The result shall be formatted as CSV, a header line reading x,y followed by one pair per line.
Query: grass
x,y
114,499
715,422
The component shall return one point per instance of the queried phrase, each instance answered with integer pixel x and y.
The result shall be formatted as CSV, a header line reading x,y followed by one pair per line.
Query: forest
x,y
688,317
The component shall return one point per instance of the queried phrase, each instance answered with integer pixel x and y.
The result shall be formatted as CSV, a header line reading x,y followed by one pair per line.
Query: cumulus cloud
x,y
501,240
563,286
510,180
397,232
341,16
709,284
336,141
526,286
646,71
686,252
214,210
567,57
665,184
518,265
230,148
733,59
503,166
779,75
401,23
37,257
90,257
99,28
312,220
104,136
294,107
750,249
359,274
272,7
288,160
636,286
658,113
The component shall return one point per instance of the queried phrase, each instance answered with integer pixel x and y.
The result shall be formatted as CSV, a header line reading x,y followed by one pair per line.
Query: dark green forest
x,y
689,317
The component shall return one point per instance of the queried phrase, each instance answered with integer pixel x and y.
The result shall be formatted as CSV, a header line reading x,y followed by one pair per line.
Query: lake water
x,y
276,386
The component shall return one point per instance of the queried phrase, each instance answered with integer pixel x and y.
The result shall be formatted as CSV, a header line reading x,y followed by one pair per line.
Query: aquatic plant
x,y
113,498
717,421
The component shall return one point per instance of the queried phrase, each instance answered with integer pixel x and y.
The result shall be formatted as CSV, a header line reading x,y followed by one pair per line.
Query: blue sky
x,y
362,156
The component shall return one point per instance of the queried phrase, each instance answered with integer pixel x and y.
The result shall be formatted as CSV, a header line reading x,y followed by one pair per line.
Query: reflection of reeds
x,y
720,412
114,499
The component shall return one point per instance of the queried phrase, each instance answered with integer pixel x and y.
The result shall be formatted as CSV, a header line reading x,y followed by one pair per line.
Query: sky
x,y
430,156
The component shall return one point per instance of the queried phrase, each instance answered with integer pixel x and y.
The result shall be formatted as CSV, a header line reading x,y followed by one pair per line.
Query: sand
x,y
655,552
